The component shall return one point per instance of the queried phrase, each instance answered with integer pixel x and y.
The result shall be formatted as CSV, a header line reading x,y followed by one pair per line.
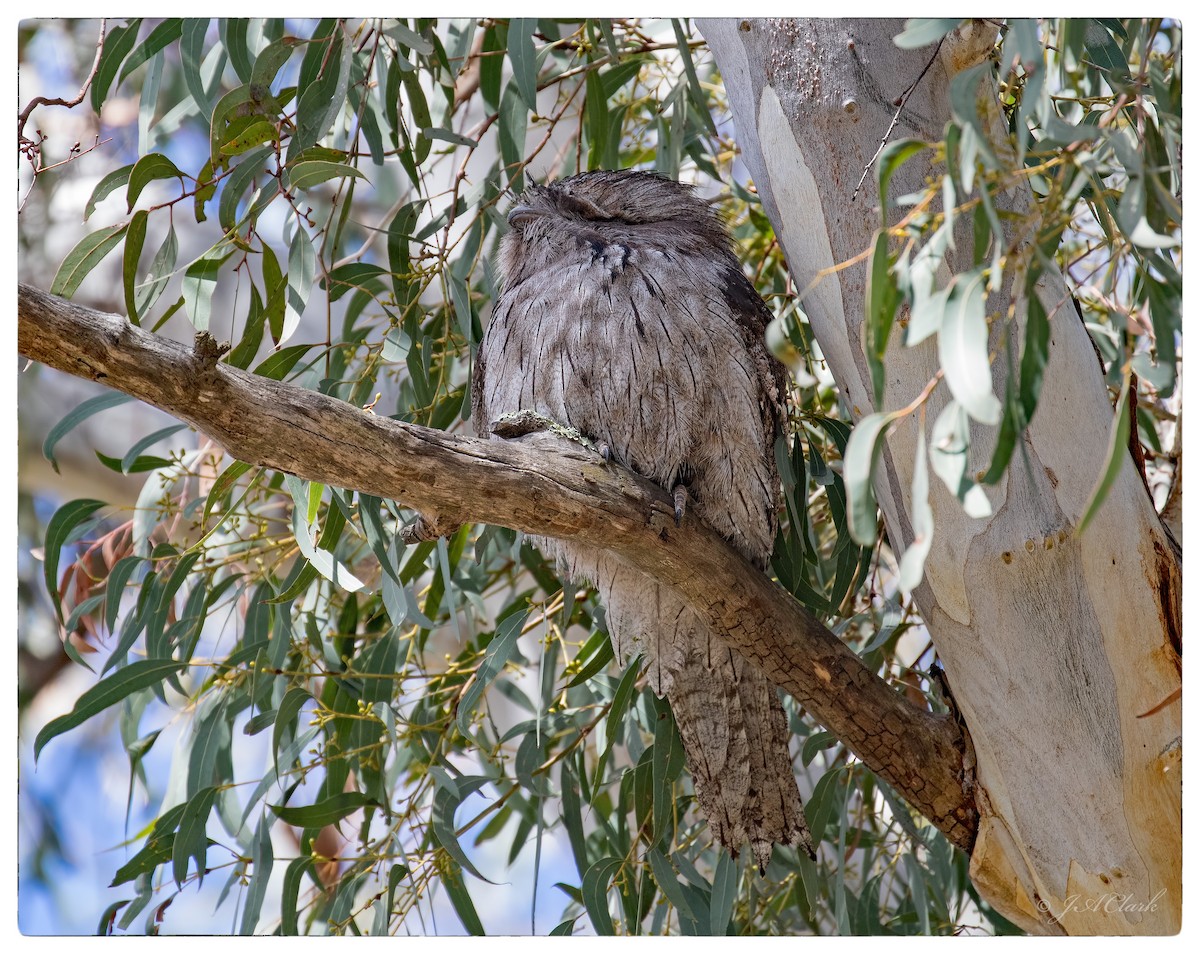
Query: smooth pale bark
x,y
1054,643
540,484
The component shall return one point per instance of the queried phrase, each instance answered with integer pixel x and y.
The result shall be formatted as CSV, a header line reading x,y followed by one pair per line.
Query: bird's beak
x,y
521,215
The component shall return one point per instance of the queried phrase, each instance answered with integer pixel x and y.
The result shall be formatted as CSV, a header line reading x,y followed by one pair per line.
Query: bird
x,y
624,315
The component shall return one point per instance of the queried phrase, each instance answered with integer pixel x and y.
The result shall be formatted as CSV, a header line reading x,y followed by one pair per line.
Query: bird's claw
x,y
680,495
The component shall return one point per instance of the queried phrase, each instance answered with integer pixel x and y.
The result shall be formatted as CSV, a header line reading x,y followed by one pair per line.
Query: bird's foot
x,y
680,495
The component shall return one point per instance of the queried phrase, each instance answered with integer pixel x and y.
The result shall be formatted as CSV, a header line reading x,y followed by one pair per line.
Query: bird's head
x,y
625,206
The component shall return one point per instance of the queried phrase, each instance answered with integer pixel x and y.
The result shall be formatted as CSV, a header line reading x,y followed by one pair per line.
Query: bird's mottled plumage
x,y
625,315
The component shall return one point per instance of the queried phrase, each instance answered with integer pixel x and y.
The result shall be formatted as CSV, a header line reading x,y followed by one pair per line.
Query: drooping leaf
x,y
105,187
102,402
124,682
523,59
302,270
161,267
158,39
118,44
596,881
497,655
912,563
134,239
191,840
862,451
963,348
85,256
1115,457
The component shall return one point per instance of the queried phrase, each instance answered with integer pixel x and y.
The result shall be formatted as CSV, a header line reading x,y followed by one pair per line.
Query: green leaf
x,y
159,38
234,34
563,929
262,861
109,184
963,348
912,563
699,100
1035,355
495,658
146,170
85,256
814,744
355,275
149,440
191,840
305,175
862,451
572,816
894,155
73,419
282,361
882,299
117,45
115,587
191,51
221,486
595,119
920,31
62,524
289,925
689,923
1166,315
124,682
622,696
1117,455
322,102
514,126
134,239
595,894
523,59
329,811
445,803
598,652
252,167
460,898
270,61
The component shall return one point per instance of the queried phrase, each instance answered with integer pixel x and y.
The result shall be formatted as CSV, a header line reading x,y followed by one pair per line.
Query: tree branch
x,y
539,484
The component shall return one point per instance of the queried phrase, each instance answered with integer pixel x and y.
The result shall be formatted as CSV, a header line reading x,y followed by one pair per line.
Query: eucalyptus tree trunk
x,y
1054,643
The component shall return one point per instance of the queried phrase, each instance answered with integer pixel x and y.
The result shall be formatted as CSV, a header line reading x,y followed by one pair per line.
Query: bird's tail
x,y
730,719
735,736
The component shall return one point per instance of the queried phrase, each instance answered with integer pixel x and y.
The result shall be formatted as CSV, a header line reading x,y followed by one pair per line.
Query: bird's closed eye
x,y
584,207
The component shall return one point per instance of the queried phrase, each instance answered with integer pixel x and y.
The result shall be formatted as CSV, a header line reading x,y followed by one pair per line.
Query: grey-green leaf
x,y
862,450
497,655
921,31
963,348
524,61
912,563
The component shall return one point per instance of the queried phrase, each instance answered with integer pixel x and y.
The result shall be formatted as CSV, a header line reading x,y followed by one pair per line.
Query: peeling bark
x,y
539,484
1053,643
